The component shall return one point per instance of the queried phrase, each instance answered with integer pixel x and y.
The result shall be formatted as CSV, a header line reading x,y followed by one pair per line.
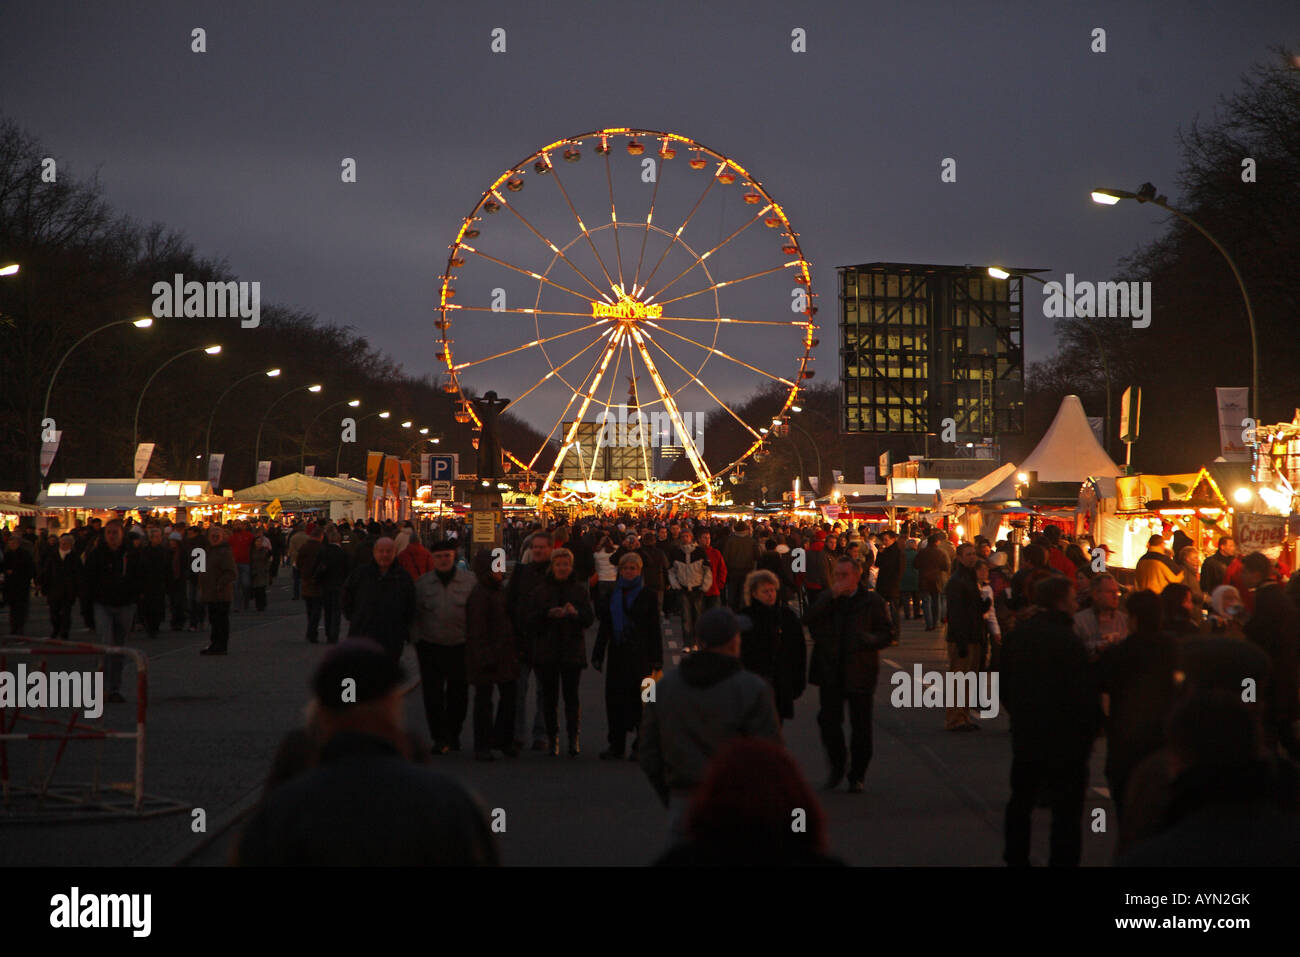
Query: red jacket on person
x,y
241,546
1058,560
416,559
719,571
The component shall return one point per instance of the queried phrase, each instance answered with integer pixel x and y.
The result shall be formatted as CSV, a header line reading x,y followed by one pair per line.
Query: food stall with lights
x,y
1126,511
300,494
169,499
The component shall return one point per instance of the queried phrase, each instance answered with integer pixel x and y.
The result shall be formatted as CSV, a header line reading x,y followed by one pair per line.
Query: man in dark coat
x,y
1050,695
889,577
60,582
19,570
112,579
365,804
523,582
331,574
379,600
491,661
849,626
154,579
558,614
966,639
1214,570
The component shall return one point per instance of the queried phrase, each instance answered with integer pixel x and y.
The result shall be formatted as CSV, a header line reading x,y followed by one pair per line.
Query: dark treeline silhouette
x,y
83,265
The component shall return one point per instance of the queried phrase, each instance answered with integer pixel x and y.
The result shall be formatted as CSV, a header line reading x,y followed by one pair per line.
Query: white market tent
x,y
1068,452
342,498
978,489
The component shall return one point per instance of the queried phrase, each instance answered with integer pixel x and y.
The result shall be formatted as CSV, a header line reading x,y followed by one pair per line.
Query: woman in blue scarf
x,y
629,634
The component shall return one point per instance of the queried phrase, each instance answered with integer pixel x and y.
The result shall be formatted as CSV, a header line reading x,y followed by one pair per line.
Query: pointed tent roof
x,y
1069,451
297,487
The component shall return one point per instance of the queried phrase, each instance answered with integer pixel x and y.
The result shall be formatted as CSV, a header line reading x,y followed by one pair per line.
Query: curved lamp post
x,y
1147,194
135,438
302,454
257,446
207,442
339,454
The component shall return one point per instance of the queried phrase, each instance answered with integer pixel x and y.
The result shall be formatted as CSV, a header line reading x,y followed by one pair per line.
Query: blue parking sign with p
x,y
442,468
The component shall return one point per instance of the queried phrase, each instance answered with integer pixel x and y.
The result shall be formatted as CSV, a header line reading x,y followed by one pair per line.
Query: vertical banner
x,y
813,482
837,476
1232,413
406,489
1130,414
392,478
868,475
310,470
373,461
143,453
263,472
48,451
215,461
425,458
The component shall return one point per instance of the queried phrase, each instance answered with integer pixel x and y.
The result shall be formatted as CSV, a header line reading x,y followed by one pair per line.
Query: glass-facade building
x,y
921,343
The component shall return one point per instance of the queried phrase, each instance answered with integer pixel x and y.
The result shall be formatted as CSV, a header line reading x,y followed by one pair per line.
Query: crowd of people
x,y
1163,661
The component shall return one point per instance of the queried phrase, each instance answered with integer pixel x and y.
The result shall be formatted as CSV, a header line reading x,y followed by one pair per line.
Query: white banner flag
x,y
215,461
263,472
143,453
424,467
813,482
1232,415
310,470
48,451
868,475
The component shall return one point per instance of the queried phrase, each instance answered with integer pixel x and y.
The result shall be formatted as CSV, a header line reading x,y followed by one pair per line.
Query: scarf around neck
x,y
626,591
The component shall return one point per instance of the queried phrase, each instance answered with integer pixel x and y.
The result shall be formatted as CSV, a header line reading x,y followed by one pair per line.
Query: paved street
x,y
932,797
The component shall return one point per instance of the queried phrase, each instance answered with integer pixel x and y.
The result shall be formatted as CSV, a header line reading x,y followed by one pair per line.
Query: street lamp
x,y
999,272
257,446
1147,194
144,322
135,437
207,442
339,454
9,269
302,456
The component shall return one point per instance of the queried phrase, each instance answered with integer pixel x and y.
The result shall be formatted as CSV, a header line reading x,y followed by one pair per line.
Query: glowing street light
x,y
10,269
1148,194
1243,495
135,437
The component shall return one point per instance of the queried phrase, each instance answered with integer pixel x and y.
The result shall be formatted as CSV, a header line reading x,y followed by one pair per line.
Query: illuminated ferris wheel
x,y
628,256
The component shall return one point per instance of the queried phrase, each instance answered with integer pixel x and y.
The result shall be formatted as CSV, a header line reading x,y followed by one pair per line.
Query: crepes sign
x,y
1260,533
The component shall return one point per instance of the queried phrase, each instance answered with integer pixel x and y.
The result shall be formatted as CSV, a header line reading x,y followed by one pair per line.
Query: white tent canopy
x,y
1069,451
980,487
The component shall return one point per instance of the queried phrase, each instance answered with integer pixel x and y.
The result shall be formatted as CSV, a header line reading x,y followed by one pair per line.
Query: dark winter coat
x,y
889,576
217,580
1138,674
642,651
154,572
112,577
331,568
775,649
559,640
932,567
1048,690
379,605
848,632
965,609
61,577
20,569
490,656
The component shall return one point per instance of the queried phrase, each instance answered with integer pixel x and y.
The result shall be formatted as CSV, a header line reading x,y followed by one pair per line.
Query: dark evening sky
x,y
240,147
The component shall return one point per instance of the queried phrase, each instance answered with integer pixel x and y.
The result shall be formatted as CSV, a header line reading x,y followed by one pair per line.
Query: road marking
x,y
892,663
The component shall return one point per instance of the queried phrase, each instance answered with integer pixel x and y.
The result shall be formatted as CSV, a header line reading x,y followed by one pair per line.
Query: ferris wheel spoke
x,y
600,433
797,323
680,229
673,360
555,175
692,453
725,282
613,219
703,256
528,272
636,397
714,350
554,372
654,196
524,311
531,345
602,358
554,248
582,410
